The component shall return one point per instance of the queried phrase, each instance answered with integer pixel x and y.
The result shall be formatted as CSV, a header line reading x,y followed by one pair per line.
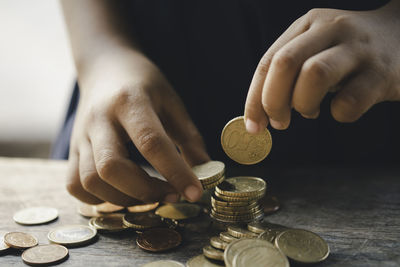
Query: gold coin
x,y
225,236
3,246
20,240
243,147
220,202
214,184
302,246
142,220
237,246
45,254
235,219
212,253
270,234
238,212
218,243
260,226
72,235
178,211
88,211
163,263
265,255
35,215
236,199
239,232
109,223
209,172
144,207
242,186
201,261
107,207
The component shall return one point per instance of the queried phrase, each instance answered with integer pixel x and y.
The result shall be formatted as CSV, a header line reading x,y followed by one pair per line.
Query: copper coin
x,y
20,240
45,254
159,239
107,207
270,204
144,207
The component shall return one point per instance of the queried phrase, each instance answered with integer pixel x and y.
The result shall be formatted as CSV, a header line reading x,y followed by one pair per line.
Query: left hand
x,y
356,53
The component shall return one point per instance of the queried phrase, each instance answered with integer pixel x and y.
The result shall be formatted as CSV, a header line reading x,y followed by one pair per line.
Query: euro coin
x,y
45,254
210,171
260,226
178,211
239,232
19,240
109,223
242,186
212,253
220,202
302,246
159,239
144,207
72,235
142,220
225,236
218,243
3,246
243,208
265,255
201,261
88,211
269,235
234,219
237,199
107,207
163,263
238,212
35,215
214,184
243,147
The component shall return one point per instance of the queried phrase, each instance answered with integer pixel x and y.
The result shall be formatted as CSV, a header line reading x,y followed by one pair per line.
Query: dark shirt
x,y
209,50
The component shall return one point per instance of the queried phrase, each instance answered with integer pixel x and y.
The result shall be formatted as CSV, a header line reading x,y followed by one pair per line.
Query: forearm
x,y
96,28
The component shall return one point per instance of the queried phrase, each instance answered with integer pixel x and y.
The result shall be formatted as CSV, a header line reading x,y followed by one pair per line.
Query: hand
x,y
125,97
353,53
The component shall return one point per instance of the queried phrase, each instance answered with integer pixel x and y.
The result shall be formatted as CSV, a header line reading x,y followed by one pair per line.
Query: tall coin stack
x,y
236,200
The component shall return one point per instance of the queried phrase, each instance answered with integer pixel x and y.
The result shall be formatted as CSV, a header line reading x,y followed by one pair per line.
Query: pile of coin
x,y
262,244
210,174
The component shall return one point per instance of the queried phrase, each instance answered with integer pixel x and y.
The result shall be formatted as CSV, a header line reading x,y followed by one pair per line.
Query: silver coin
x,y
72,235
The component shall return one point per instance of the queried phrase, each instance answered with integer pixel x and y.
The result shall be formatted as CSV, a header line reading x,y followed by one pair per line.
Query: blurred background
x,y
36,76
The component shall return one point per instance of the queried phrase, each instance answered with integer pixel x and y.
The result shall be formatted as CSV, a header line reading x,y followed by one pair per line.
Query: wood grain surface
x,y
355,209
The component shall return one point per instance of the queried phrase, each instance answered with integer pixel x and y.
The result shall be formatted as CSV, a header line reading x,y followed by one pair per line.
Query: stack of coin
x,y
235,200
210,173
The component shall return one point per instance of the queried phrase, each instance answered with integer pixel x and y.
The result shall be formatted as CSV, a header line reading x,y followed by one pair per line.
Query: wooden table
x,y
357,210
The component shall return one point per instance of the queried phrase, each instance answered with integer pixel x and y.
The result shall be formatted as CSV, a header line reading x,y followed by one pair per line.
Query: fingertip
x,y
193,193
278,125
252,127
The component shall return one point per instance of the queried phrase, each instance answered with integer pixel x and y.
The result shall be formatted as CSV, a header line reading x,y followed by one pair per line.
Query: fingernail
x,y
277,124
171,198
192,193
251,126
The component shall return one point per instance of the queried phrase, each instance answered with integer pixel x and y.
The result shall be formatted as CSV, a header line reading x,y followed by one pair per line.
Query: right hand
x,y
125,97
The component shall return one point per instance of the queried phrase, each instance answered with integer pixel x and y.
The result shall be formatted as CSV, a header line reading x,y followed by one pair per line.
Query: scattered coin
x,y
270,234
20,240
88,211
236,246
159,239
243,147
212,253
3,246
178,211
242,186
225,236
144,207
35,215
266,255
218,243
142,220
239,232
72,235
302,246
164,263
107,207
270,204
109,223
201,261
260,226
45,254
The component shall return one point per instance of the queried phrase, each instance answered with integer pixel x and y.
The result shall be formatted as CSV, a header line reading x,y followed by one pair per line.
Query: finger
x,y
255,117
357,96
93,184
285,66
115,168
74,185
148,135
320,73
183,132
